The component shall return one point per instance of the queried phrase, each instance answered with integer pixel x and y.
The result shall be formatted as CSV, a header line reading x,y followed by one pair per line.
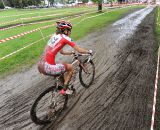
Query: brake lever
x,y
89,58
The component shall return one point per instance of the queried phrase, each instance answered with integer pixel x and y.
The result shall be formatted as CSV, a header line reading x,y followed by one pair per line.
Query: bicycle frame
x,y
78,62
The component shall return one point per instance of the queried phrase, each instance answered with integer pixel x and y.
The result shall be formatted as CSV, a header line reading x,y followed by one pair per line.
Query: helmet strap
x,y
65,32
58,31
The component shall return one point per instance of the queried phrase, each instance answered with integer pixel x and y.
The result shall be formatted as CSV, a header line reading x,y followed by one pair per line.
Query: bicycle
x,y
50,103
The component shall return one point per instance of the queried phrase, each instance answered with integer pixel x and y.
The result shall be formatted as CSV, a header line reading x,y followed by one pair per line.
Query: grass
x,y
33,12
29,56
46,14
18,30
157,117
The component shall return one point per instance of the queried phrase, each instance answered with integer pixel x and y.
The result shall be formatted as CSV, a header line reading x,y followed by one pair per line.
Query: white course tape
x,y
2,29
22,34
25,33
22,48
16,36
96,15
45,37
32,13
30,18
28,14
155,93
9,22
156,85
77,16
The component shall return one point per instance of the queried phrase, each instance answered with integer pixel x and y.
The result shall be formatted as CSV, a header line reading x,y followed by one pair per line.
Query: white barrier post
x,y
155,93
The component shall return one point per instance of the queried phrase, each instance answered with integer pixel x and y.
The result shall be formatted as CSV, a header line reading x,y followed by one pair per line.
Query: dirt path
x,y
121,97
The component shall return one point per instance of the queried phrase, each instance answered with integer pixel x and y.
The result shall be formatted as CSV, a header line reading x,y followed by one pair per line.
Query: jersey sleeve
x,y
68,41
72,44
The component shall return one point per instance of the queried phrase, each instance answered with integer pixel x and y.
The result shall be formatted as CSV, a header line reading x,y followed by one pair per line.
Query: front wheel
x,y
48,105
87,73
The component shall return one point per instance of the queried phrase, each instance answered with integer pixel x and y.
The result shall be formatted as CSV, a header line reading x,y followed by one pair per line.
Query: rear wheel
x,y
48,106
87,73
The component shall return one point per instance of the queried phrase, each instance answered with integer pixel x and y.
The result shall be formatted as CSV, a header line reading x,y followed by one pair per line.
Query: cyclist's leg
x,y
68,74
60,69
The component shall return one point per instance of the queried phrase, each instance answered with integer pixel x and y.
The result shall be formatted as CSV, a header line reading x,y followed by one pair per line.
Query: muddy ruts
x,y
121,98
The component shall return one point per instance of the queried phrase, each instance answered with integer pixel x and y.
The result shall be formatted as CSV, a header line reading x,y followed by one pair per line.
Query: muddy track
x,y
119,99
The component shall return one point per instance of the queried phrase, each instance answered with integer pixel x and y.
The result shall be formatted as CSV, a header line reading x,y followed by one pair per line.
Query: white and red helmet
x,y
62,25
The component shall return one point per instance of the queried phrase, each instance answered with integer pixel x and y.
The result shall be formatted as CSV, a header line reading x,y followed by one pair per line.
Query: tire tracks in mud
x,y
121,98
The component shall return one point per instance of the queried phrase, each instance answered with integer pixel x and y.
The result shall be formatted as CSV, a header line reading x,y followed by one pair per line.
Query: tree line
x,y
26,3
22,3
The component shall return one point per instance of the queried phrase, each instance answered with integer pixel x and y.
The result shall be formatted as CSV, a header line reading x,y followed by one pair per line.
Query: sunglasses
x,y
68,29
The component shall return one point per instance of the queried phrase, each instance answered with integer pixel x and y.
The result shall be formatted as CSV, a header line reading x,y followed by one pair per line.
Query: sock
x,y
65,87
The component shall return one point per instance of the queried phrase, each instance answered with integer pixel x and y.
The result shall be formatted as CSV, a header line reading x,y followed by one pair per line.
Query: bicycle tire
x,y
33,112
81,71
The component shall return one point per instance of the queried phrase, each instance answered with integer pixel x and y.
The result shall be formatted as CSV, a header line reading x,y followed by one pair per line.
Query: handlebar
x,y
77,55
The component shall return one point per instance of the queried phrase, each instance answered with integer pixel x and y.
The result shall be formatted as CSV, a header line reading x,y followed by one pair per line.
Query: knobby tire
x,y
33,113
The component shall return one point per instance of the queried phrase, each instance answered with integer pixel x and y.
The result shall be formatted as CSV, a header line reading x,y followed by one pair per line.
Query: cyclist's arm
x,y
73,45
65,52
80,50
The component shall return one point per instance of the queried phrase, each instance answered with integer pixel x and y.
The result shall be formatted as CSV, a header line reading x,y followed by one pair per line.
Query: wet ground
x,y
119,99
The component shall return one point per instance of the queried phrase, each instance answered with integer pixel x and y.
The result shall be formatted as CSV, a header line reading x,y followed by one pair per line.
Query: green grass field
x,y
25,58
157,117
38,14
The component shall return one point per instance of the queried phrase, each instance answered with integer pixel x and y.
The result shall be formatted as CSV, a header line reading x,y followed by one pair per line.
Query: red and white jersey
x,y
55,44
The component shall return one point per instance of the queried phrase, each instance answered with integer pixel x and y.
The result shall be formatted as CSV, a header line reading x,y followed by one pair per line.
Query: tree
x,y
1,5
51,2
84,1
31,2
99,2
25,3
37,2
22,3
111,2
120,1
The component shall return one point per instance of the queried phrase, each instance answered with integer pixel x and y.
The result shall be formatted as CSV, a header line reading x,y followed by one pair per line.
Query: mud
x,y
119,99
